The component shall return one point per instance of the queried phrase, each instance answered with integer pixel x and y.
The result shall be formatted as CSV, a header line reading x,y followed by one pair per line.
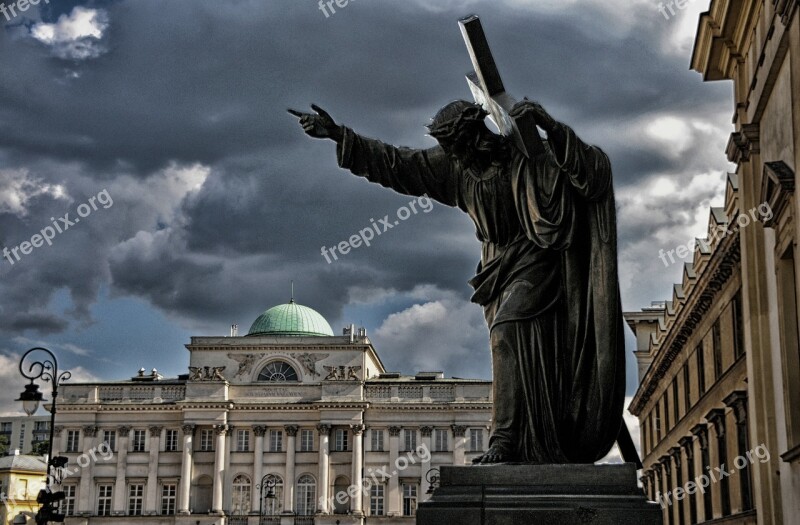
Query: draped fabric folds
x,y
547,281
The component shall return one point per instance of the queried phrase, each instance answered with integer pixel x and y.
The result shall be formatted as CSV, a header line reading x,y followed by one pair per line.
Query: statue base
x,y
517,494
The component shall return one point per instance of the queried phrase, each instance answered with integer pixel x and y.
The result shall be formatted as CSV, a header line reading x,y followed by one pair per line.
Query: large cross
x,y
488,90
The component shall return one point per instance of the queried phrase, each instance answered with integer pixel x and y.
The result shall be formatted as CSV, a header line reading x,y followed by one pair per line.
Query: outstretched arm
x,y
408,171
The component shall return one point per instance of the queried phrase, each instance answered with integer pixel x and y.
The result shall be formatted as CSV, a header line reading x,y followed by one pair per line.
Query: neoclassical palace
x,y
289,424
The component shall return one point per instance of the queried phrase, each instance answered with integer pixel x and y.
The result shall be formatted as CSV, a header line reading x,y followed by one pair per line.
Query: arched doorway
x,y
202,495
340,486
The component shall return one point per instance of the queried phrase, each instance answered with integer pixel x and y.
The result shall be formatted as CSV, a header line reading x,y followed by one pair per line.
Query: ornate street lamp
x,y
267,484
432,477
31,397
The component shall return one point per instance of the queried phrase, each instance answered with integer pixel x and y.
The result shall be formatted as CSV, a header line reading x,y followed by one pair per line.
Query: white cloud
x,y
14,383
614,456
67,347
76,36
18,187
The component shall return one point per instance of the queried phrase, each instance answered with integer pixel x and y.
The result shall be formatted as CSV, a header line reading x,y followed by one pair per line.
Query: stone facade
x,y
318,415
756,45
737,304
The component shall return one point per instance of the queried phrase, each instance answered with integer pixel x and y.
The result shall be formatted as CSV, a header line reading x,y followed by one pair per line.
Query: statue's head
x,y
457,126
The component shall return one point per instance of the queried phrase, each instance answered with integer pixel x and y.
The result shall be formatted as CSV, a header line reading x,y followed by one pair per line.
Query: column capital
x,y
701,431
324,429
665,463
90,431
675,452
221,430
426,431
188,430
124,430
259,430
395,430
57,431
459,430
155,431
357,429
291,430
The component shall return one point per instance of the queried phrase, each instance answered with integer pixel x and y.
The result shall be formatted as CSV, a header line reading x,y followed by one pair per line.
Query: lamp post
x,y
267,484
31,397
432,477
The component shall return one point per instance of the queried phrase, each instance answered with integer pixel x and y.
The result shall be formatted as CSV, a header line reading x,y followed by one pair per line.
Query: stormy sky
x,y
162,126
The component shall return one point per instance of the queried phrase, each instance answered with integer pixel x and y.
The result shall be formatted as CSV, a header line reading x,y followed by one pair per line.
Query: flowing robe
x,y
547,281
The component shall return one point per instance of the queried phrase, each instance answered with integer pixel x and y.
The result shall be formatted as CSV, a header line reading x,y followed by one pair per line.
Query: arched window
x,y
306,495
241,495
278,371
271,506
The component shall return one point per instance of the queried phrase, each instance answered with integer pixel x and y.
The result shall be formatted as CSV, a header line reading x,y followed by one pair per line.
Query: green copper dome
x,y
291,319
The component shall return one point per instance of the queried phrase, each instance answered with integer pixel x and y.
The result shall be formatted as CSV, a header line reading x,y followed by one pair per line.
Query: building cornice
x,y
715,276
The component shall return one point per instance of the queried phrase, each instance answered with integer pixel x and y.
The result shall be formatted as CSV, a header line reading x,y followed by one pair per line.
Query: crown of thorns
x,y
453,116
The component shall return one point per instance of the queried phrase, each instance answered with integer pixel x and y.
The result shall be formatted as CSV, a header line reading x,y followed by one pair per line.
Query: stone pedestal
x,y
517,494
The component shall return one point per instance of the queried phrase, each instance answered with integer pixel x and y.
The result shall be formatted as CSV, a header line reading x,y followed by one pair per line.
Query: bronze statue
x,y
547,279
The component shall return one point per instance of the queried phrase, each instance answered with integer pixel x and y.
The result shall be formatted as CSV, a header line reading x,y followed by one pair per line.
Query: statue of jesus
x,y
547,279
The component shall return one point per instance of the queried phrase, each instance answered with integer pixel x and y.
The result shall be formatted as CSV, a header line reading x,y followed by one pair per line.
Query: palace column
x,y
426,432
86,485
459,431
288,484
258,467
219,470
324,468
186,470
357,502
151,501
393,489
118,508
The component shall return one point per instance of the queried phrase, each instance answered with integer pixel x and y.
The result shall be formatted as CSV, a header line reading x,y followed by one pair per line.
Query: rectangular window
x,y
738,326
658,422
340,440
5,427
139,437
276,440
67,505
242,441
377,440
73,440
687,399
476,440
440,440
206,440
135,499
171,440
409,499
306,441
409,439
110,438
376,500
104,500
168,492
666,411
701,370
717,342
675,406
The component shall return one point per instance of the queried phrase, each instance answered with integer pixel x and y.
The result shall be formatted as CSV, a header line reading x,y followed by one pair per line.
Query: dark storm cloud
x,y
203,86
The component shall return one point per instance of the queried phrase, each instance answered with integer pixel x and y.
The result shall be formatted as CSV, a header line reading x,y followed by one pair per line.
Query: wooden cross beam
x,y
488,91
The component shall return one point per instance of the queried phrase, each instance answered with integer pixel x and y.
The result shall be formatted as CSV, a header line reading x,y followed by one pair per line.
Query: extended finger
x,y
295,112
321,112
